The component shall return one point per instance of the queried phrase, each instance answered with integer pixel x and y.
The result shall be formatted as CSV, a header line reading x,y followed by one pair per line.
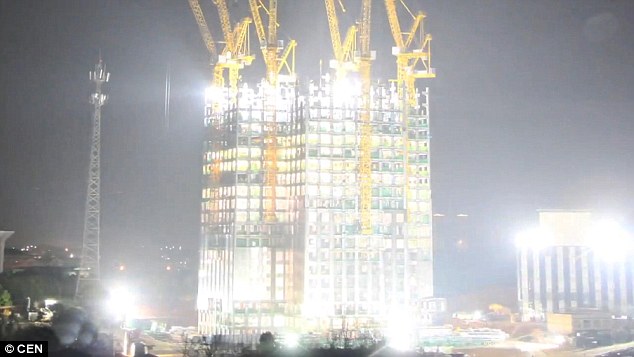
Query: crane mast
x,y
274,65
408,58
235,55
365,159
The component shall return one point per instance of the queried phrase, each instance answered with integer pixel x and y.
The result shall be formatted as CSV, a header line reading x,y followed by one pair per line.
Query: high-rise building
x,y
574,262
312,268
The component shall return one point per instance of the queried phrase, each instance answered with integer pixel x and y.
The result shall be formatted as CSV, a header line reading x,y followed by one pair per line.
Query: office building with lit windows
x,y
574,262
308,266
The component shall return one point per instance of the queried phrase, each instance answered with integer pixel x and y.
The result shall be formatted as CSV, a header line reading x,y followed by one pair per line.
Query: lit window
x,y
243,152
243,165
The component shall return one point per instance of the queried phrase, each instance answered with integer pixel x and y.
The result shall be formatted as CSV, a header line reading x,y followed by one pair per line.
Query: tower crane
x,y
412,51
204,29
365,158
236,53
275,60
413,61
344,52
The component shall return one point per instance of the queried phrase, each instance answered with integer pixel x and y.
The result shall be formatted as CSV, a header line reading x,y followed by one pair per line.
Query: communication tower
x,y
89,267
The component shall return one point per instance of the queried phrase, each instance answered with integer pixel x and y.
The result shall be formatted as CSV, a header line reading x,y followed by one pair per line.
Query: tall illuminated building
x,y
312,269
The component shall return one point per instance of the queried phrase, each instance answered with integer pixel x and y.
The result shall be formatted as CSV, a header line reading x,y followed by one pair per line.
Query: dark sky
x,y
532,108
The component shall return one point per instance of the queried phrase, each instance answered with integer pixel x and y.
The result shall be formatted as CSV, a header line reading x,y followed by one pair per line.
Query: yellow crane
x,y
236,53
204,29
412,51
365,158
413,61
275,60
344,52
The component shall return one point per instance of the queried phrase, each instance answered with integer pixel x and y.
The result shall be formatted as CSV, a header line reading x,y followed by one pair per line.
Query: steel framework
x,y
89,268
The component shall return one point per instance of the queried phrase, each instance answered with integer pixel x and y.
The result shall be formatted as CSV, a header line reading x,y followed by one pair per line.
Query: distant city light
x,y
121,267
168,268
71,255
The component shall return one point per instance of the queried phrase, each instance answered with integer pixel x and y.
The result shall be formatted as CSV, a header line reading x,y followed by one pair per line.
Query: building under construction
x,y
316,205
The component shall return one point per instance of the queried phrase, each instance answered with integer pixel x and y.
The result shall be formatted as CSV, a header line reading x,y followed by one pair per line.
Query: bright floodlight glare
x,y
477,315
559,339
120,303
536,239
291,340
399,330
609,241
345,91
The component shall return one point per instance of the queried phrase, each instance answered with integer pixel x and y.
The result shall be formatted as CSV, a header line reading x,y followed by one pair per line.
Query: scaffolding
x,y
313,269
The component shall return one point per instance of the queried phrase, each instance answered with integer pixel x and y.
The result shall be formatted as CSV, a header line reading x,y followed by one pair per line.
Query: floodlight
x,y
399,329
120,303
50,302
345,91
609,241
291,340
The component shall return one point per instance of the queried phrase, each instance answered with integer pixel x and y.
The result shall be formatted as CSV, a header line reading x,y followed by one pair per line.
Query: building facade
x,y
567,270
311,268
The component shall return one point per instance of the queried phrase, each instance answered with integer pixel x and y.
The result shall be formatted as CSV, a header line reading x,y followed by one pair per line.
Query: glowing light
x,y
399,329
536,239
477,315
609,241
559,339
121,267
50,302
345,91
120,303
168,268
291,340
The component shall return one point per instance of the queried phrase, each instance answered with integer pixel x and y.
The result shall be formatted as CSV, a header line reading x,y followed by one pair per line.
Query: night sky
x,y
532,108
